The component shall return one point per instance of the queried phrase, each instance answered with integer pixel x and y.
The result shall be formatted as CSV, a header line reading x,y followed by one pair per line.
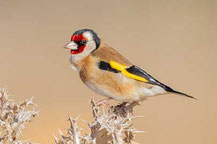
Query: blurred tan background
x,y
175,41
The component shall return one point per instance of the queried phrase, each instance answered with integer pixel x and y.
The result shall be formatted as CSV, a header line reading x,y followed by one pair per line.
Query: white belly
x,y
155,90
105,92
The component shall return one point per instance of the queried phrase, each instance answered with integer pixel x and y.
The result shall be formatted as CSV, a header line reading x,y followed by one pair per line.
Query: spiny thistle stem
x,y
113,126
13,118
110,125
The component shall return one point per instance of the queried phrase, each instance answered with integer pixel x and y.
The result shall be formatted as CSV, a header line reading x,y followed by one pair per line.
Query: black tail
x,y
168,89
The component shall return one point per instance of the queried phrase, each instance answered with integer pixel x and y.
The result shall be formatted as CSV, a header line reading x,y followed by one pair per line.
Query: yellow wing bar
x,y
123,70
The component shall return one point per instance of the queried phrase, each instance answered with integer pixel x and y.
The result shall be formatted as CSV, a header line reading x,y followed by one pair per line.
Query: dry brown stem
x,y
111,125
13,118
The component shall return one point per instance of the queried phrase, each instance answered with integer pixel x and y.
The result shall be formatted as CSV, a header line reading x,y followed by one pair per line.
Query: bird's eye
x,y
83,42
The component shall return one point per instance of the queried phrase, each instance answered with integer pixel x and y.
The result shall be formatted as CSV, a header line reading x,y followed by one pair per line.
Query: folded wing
x,y
136,73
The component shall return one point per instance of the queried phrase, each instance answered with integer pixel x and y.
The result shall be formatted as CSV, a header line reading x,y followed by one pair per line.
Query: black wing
x,y
140,72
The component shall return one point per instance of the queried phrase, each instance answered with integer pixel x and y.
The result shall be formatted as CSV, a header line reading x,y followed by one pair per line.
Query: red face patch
x,y
80,50
76,39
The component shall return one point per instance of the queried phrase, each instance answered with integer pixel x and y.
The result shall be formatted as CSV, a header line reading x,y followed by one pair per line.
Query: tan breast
x,y
108,83
104,82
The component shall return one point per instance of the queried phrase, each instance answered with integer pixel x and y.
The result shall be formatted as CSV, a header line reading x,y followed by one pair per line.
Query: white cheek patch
x,y
75,58
88,35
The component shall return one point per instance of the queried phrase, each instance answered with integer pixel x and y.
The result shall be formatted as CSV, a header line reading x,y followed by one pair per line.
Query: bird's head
x,y
83,42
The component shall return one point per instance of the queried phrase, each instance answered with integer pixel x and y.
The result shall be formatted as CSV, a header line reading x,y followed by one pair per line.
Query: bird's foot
x,y
124,108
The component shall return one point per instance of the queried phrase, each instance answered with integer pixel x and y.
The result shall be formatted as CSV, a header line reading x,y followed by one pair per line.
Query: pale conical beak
x,y
72,45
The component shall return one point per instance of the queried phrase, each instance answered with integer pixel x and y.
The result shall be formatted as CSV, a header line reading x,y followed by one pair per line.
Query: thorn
x,y
61,133
55,138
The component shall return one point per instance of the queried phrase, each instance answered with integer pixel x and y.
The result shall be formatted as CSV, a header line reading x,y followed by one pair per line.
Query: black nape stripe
x,y
106,66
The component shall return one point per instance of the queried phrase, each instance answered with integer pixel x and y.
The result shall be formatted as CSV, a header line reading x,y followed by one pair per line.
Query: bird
x,y
108,73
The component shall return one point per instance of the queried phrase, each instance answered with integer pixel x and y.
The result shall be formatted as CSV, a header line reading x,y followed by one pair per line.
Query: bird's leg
x,y
120,109
104,102
124,108
131,106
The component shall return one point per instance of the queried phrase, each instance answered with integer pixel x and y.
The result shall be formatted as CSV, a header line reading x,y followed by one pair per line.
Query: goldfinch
x,y
108,73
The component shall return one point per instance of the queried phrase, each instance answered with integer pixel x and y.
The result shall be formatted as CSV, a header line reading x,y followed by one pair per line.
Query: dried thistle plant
x,y
110,126
13,118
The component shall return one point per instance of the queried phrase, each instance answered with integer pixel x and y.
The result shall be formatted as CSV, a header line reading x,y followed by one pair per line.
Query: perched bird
x,y
108,73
